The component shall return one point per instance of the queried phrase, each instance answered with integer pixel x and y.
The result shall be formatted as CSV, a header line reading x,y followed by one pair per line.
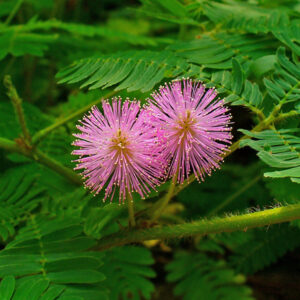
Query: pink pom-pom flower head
x,y
118,150
193,126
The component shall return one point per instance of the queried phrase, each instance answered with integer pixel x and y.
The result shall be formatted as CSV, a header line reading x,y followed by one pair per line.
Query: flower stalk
x,y
131,212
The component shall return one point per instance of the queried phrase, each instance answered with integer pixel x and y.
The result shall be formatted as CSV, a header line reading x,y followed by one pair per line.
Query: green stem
x,y
10,146
290,114
51,163
42,158
17,103
13,12
42,133
131,212
203,227
232,197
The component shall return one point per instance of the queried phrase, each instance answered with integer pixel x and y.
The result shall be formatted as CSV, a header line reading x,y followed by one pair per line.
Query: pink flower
x,y
195,127
117,149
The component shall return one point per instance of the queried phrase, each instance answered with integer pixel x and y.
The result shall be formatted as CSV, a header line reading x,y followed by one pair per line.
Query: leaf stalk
x,y
131,212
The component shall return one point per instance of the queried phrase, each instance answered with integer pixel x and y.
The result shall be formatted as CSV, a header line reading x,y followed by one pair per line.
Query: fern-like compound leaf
x,y
138,70
170,10
128,272
206,278
216,51
284,87
50,259
264,248
19,195
239,90
240,16
31,38
278,149
289,35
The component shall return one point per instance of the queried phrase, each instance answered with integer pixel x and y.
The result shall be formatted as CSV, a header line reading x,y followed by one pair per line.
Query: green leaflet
x,y
7,287
278,149
292,172
263,65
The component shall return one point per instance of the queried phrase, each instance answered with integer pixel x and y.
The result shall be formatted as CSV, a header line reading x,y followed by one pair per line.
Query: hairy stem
x,y
17,103
42,133
40,157
203,227
11,146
